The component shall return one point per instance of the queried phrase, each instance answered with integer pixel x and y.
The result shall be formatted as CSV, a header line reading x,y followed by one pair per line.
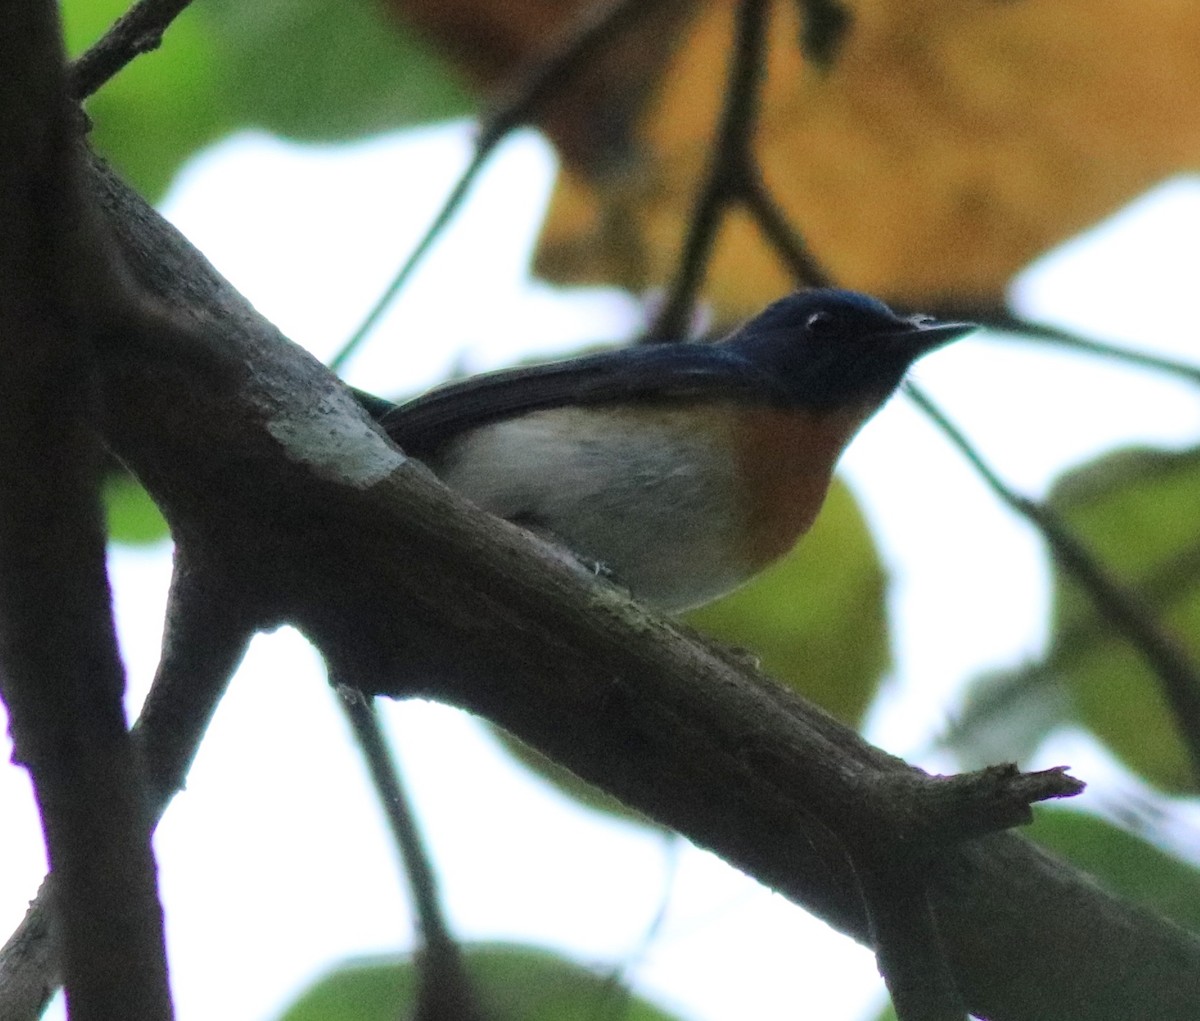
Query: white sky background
x,y
274,865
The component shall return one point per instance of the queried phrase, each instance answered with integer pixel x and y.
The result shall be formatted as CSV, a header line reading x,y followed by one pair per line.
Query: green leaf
x,y
1123,862
327,69
319,70
513,983
1138,511
817,619
1005,715
133,518
163,106
886,1013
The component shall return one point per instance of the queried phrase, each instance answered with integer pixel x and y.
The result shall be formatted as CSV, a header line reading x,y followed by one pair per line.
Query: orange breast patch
x,y
784,460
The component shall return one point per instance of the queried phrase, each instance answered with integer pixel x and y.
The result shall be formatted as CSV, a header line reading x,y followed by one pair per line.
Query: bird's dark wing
x,y
664,371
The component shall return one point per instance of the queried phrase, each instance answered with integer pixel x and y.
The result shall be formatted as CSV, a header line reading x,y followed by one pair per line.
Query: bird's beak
x,y
921,334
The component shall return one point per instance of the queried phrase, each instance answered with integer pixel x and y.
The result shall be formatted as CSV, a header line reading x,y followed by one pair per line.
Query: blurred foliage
x,y
319,70
945,147
1138,511
1005,715
886,1013
1123,862
816,620
925,150
133,518
513,983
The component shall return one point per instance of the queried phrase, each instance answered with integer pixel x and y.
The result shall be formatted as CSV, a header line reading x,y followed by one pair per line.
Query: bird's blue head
x,y
829,348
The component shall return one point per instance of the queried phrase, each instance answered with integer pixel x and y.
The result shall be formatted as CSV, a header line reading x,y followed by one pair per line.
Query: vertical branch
x,y
206,634
730,156
907,946
60,670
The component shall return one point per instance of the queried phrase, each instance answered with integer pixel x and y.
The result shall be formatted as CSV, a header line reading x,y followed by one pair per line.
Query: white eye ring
x,y
818,322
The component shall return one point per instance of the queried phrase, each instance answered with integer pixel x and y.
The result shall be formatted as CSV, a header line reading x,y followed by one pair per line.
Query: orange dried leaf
x,y
945,146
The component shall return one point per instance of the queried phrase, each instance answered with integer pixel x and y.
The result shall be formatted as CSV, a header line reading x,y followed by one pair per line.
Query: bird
x,y
679,470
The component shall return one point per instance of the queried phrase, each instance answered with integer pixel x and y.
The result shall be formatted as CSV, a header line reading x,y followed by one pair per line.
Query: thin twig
x,y
596,28
734,178
783,237
453,201
139,30
1121,606
998,317
363,717
730,156
445,989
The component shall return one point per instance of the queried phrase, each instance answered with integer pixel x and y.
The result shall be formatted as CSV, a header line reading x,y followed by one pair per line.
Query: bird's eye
x,y
821,324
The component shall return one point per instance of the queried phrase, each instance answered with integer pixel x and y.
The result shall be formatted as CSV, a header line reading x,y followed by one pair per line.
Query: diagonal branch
x,y
139,30
773,222
208,627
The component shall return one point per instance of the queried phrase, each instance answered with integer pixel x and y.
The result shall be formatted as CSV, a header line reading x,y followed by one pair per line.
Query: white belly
x,y
651,502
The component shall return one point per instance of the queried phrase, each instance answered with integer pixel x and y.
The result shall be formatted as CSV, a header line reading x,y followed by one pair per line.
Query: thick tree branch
x,y
60,670
204,638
